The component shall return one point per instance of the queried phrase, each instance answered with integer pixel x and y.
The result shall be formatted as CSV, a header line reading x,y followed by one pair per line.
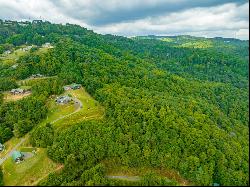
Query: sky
x,y
206,18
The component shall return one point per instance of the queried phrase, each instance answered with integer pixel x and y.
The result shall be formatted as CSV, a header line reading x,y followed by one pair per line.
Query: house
x,y
63,99
75,86
1,147
27,48
36,75
47,45
17,91
17,156
14,66
37,21
7,52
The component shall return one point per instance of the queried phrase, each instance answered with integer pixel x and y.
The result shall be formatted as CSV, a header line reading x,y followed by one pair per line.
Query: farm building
x,y
17,156
1,147
63,100
17,91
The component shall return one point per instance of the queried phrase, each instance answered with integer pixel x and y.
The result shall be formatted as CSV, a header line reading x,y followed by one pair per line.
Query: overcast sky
x,y
209,18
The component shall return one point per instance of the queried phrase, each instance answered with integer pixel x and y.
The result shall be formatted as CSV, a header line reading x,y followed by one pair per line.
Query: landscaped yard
x,y
30,171
37,167
91,109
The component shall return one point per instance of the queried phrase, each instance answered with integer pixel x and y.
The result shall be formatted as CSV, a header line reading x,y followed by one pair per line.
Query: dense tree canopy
x,y
168,105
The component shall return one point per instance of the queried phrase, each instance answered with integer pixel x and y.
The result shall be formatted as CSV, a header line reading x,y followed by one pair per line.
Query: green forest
x,y
180,103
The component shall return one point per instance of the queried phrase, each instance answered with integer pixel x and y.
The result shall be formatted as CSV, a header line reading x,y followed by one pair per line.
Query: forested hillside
x,y
178,103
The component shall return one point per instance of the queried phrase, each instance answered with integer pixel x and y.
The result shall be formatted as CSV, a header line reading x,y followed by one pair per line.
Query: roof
x,y
63,98
75,85
16,155
17,90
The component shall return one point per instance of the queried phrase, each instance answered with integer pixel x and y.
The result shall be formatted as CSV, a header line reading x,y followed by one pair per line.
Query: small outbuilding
x,y
17,156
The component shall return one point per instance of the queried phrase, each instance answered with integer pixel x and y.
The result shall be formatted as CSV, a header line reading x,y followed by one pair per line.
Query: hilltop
x,y
167,110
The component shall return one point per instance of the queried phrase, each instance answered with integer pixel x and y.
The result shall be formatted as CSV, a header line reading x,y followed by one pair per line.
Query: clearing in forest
x,y
28,171
36,168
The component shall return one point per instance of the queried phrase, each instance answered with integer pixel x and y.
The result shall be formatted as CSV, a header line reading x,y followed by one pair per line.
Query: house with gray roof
x,y
63,99
17,91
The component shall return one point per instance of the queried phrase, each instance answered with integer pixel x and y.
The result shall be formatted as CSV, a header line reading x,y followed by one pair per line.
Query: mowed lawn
x,y
9,145
11,59
28,172
91,109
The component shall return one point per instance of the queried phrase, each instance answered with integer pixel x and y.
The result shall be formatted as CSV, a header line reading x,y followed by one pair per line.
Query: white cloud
x,y
222,20
139,17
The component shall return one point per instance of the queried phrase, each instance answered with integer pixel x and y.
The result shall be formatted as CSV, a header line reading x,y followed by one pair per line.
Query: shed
x,y
17,156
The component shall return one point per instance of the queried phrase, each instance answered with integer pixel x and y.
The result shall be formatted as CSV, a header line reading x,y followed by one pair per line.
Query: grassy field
x,y
91,109
28,172
37,168
9,97
112,168
11,59
9,145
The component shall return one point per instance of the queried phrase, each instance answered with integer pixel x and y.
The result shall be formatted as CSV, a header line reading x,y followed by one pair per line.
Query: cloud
x,y
197,21
99,12
228,18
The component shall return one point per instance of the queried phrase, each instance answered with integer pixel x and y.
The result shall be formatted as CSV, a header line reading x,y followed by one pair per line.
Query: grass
x,y
11,59
9,97
113,168
197,44
56,111
37,168
167,39
91,109
27,149
9,145
28,171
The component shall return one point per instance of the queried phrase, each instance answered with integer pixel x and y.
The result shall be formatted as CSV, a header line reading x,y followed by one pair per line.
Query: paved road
x,y
23,139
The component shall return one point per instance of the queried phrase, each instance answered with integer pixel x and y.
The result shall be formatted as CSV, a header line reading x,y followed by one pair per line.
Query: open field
x,y
114,169
9,145
37,168
11,59
9,97
91,109
29,171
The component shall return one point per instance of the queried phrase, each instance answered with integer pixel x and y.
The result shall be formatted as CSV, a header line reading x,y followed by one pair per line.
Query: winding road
x,y
77,101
